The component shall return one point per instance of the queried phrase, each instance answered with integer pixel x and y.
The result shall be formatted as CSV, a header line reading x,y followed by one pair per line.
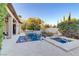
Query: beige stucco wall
x,y
5,27
9,26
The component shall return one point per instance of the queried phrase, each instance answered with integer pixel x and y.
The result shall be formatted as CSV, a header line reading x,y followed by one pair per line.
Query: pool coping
x,y
64,46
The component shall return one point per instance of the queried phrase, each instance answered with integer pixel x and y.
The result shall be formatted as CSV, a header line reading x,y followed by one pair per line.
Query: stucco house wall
x,y
10,20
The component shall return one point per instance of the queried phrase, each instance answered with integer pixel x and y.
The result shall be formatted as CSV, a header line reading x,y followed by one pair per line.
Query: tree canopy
x,y
32,24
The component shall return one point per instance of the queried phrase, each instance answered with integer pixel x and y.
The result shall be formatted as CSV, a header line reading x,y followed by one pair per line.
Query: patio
x,y
33,48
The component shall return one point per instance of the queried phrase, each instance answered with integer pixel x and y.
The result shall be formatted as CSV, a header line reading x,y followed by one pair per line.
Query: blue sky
x,y
48,12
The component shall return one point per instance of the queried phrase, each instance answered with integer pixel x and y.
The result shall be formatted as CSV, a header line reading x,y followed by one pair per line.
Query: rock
x,y
52,31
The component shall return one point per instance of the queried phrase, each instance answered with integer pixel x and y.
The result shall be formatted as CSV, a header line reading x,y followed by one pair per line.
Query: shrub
x,y
32,24
33,27
69,27
2,16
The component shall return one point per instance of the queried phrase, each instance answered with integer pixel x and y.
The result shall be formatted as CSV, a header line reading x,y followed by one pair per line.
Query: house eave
x,y
10,8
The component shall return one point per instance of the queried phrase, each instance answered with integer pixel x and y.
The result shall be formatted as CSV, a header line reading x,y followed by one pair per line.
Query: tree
x,y
48,26
69,18
63,18
19,16
33,23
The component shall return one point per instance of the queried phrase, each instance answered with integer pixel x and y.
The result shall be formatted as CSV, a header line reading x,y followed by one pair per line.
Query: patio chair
x,y
5,35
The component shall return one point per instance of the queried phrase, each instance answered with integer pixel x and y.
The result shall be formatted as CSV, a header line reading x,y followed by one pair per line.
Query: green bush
x,y
32,24
69,27
2,16
33,27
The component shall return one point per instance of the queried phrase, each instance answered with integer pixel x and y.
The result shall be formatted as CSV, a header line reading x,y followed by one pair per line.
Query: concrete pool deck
x,y
33,48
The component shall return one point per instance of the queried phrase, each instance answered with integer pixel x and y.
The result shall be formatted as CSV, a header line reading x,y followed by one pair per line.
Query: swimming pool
x,y
34,36
29,37
61,40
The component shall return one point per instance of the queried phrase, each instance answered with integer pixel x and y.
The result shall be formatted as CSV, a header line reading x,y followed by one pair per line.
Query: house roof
x,y
11,8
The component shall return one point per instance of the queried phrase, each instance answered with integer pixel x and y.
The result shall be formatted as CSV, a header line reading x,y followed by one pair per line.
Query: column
x,y
10,27
17,27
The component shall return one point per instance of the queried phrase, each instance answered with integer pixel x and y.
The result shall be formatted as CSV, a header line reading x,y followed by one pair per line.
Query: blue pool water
x,y
31,36
61,40
21,39
34,36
